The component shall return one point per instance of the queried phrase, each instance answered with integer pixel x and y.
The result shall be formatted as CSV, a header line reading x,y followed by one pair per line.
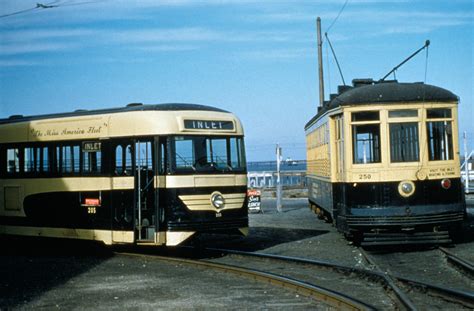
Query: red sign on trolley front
x,y
92,202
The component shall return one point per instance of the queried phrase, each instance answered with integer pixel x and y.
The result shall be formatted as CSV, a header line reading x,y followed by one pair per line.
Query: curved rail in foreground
x,y
458,261
462,297
330,297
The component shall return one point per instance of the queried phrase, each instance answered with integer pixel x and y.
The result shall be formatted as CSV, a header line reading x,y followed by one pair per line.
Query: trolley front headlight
x,y
217,200
406,188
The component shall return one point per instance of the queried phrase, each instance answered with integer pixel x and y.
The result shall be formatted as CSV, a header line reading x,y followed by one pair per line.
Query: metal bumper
x,y
379,239
380,221
406,216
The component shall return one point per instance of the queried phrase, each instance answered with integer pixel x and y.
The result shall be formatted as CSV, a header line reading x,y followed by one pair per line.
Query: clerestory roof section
x,y
130,107
390,92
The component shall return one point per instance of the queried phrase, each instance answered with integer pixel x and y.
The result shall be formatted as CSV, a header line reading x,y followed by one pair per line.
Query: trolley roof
x,y
366,92
128,108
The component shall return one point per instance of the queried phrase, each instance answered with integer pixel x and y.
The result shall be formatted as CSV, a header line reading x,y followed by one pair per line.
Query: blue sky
x,y
254,58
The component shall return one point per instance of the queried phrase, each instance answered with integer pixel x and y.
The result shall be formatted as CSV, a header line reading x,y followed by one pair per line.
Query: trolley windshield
x,y
207,154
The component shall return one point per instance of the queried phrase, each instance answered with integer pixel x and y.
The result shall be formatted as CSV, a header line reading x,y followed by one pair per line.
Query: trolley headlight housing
x,y
217,200
446,183
406,188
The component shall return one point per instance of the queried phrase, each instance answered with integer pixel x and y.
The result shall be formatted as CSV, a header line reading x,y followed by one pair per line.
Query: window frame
x,y
447,120
367,122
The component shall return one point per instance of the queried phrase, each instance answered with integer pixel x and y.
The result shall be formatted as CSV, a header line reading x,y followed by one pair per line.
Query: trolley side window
x,y
184,153
366,137
128,162
404,144
144,155
44,164
440,134
217,152
205,154
119,167
237,153
30,160
68,159
163,157
123,160
36,160
92,162
440,141
366,116
13,160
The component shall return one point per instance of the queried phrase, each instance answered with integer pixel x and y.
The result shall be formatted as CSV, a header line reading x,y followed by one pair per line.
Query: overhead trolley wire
x,y
50,5
330,45
337,17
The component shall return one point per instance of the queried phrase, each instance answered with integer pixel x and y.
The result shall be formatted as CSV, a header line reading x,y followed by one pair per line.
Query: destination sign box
x,y
208,125
91,146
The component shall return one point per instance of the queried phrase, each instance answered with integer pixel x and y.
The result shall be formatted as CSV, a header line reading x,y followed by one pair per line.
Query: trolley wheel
x,y
354,236
327,217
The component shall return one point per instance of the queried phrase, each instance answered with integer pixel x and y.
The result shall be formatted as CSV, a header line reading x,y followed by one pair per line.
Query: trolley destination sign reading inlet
x,y
208,125
91,146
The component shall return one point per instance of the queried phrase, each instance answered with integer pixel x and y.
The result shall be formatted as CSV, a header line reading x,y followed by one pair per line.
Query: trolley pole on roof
x,y
320,62
278,181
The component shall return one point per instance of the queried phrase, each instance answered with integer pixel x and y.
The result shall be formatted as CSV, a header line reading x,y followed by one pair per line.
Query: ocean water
x,y
271,166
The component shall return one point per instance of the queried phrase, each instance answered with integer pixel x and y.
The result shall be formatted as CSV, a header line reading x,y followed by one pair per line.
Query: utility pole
x,y
466,162
320,62
278,181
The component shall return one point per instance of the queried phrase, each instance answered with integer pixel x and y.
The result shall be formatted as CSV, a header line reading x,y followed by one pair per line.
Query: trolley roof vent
x,y
15,116
134,104
343,88
80,110
362,82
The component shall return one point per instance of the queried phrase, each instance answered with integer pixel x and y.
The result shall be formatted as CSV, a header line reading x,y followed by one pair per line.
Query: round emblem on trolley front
x,y
217,200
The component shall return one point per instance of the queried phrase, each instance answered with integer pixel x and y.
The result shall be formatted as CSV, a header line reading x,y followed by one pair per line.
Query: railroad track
x,y
399,292
463,265
328,297
400,289
416,294
347,283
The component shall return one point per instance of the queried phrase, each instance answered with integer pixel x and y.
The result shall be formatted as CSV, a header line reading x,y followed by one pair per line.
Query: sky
x,y
257,59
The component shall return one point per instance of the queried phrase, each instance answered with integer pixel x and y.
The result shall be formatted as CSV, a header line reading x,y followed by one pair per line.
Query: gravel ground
x,y
82,276
295,231
46,274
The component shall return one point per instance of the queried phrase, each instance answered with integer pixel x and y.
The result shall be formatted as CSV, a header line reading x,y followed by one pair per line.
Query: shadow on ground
x,y
259,238
32,266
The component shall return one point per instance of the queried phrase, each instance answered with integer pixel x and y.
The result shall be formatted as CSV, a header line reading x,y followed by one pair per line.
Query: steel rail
x,y
458,262
465,298
399,293
321,294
